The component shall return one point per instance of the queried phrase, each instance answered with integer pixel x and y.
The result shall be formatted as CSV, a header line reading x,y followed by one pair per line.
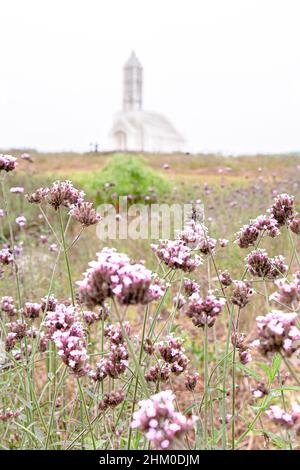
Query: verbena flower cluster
x,y
176,255
85,214
8,414
190,287
7,163
67,333
113,274
115,362
248,235
6,257
111,400
172,352
282,417
191,380
277,332
204,311
281,213
7,306
225,278
242,291
64,194
282,209
162,425
261,265
196,236
288,293
238,340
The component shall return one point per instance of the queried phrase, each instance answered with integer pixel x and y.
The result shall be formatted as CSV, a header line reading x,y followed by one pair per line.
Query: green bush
x,y
129,175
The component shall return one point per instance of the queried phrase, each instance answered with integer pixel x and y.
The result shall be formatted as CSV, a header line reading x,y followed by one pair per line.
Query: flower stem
x,y
66,257
137,377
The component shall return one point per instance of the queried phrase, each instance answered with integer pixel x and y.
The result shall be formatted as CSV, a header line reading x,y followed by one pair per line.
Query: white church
x,y
135,129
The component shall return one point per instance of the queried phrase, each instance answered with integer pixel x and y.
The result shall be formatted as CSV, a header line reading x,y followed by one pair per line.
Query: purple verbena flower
x,y
7,306
176,255
283,418
241,293
162,425
85,214
32,310
191,380
282,209
277,332
204,311
7,163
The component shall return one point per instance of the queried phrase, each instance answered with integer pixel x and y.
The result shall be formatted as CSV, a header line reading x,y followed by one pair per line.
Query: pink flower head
x,y
191,381
161,371
38,196
223,242
196,236
49,303
247,236
53,248
72,350
241,293
21,221
61,319
176,255
6,256
32,310
288,293
7,306
27,157
294,225
85,214
282,418
17,190
225,278
277,332
63,193
179,301
114,275
111,400
190,287
204,311
7,163
7,414
282,209
162,425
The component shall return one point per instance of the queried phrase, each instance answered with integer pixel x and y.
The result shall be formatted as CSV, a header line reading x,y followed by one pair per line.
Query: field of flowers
x,y
187,343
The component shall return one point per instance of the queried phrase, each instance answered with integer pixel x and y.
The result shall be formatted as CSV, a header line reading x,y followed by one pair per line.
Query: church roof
x,y
153,123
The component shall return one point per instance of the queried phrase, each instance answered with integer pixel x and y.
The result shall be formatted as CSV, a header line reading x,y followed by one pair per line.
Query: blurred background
x,y
225,72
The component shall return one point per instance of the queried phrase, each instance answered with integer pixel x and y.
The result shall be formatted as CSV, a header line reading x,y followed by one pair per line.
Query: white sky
x,y
226,72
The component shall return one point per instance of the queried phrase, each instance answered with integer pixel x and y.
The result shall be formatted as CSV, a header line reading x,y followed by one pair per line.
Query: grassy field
x,y
233,190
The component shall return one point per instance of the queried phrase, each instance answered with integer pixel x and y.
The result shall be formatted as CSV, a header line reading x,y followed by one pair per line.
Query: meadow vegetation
x,y
201,329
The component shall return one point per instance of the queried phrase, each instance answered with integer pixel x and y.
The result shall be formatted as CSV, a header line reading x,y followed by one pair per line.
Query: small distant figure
x,y
94,147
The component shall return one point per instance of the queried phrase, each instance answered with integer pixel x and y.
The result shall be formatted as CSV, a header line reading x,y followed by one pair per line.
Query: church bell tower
x,y
133,84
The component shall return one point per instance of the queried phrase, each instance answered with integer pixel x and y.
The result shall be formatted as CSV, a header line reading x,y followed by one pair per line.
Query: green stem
x,y
86,412
131,350
206,378
53,408
235,333
137,377
293,245
66,257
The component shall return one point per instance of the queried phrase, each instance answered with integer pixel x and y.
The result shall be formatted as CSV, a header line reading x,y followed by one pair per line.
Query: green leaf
x,y
249,371
276,362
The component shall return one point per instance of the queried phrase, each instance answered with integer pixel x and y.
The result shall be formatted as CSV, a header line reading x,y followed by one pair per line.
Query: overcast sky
x,y
225,72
